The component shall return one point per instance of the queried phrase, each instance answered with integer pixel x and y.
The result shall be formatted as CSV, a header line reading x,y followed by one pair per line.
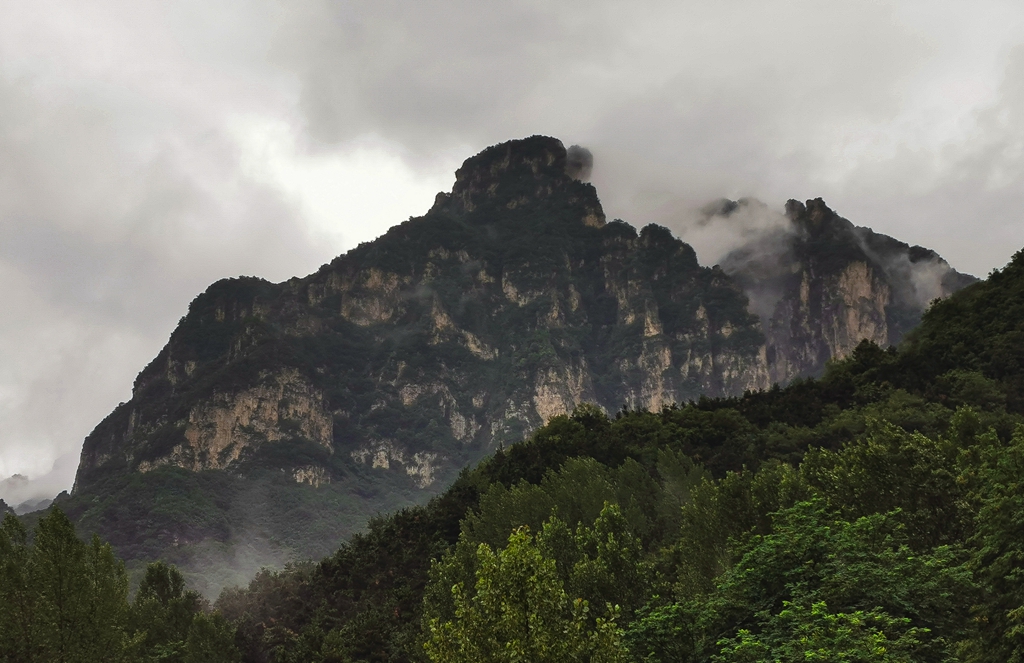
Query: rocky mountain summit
x,y
279,416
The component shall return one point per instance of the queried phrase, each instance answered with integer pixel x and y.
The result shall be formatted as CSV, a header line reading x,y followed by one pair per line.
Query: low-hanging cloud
x,y
758,246
918,275
723,227
748,239
579,162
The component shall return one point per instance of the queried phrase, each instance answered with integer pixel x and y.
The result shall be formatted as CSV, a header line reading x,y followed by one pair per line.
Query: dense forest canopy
x,y
65,600
870,515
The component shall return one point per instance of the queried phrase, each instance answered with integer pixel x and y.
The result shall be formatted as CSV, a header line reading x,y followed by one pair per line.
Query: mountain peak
x,y
534,156
517,172
815,217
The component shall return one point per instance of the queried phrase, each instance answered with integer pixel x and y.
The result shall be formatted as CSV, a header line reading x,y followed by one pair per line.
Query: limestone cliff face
x,y
221,429
825,285
859,310
510,302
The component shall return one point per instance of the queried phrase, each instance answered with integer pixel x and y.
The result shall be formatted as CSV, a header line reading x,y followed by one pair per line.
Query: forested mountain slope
x,y
866,515
279,417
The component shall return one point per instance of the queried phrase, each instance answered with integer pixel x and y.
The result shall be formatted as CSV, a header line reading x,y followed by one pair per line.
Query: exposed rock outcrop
x,y
825,285
223,428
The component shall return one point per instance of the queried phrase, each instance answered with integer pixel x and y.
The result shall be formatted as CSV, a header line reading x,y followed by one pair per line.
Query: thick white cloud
x,y
131,177
883,108
147,149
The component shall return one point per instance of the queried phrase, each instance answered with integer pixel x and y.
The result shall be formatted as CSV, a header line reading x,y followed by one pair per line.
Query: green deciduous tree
x,y
61,599
718,512
889,469
518,610
799,634
1000,551
174,624
576,493
66,601
819,582
163,611
813,557
19,632
210,639
59,576
603,564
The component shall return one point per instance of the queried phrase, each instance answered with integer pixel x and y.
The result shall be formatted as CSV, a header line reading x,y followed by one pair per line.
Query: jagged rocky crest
x,y
511,301
821,285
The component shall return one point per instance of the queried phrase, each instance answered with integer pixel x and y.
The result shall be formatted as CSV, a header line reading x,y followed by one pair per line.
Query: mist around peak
x,y
760,245
818,283
749,239
25,493
579,163
919,275
724,227
21,496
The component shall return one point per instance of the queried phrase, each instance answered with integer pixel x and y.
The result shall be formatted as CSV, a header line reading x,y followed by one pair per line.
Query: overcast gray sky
x,y
148,148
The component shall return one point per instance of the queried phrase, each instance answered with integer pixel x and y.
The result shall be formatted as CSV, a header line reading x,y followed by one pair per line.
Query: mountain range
x,y
280,417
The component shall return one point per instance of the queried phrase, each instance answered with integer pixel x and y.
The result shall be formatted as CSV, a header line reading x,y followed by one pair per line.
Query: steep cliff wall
x,y
825,285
